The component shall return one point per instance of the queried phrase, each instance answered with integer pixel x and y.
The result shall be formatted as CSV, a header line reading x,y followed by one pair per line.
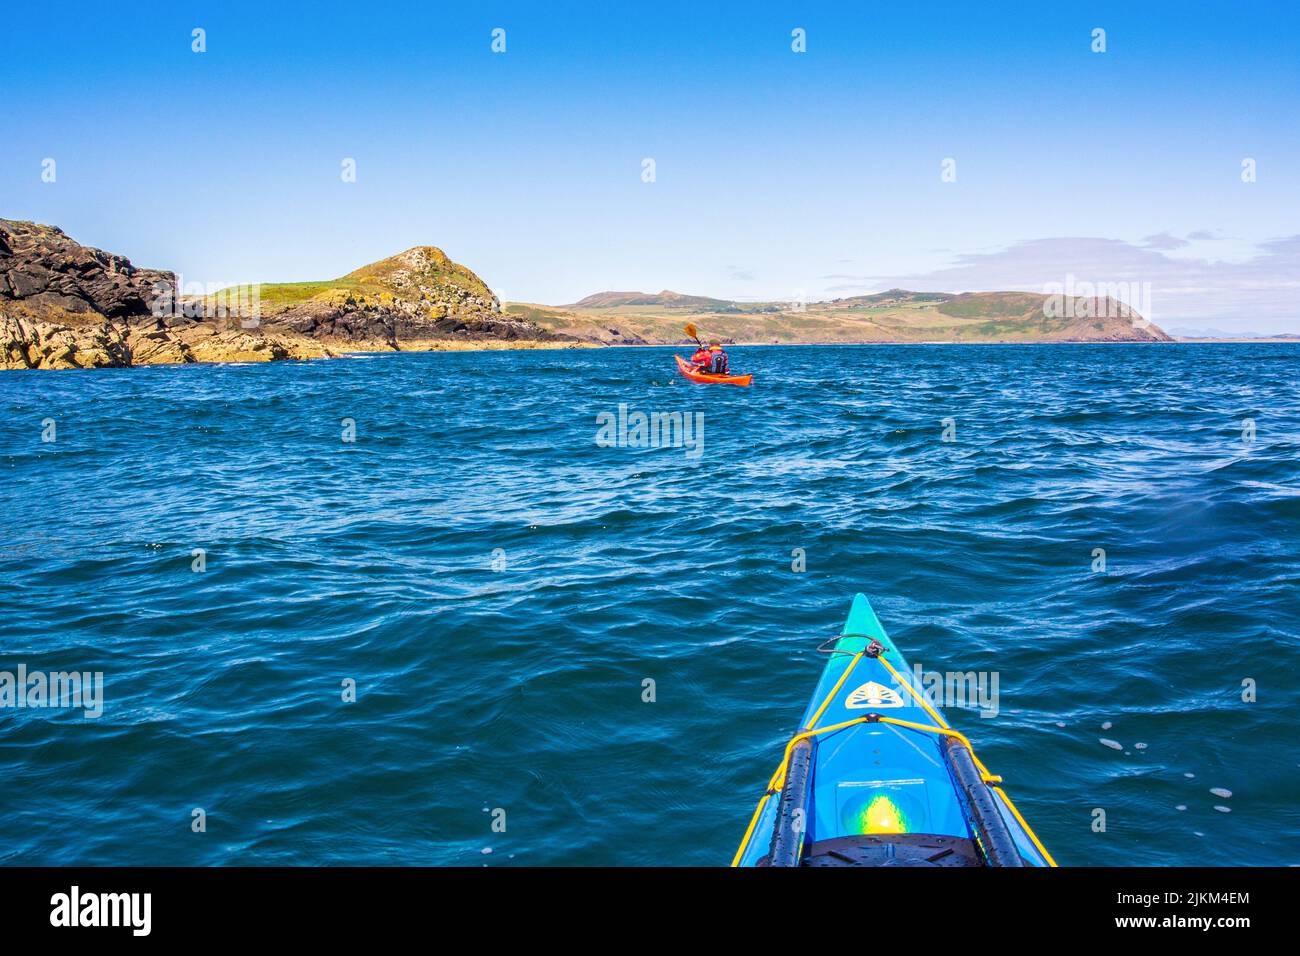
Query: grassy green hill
x,y
421,272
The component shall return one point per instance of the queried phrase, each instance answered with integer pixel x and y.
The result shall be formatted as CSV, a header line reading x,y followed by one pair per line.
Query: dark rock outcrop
x,y
50,273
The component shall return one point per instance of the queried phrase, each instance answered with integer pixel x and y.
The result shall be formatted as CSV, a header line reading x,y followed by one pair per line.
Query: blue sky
x,y
777,173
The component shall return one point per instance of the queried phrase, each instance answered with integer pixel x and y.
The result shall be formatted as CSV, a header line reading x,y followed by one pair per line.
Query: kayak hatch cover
x,y
876,777
695,375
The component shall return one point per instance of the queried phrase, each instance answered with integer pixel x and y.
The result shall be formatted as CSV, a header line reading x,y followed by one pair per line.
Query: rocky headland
x,y
64,305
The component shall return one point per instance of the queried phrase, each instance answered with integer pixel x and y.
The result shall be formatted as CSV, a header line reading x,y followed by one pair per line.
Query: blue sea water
x,y
500,587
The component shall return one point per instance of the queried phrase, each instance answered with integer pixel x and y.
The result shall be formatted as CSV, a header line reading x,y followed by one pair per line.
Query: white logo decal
x,y
872,694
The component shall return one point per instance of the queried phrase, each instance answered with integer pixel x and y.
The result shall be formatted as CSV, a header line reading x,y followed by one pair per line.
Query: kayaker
x,y
701,358
717,359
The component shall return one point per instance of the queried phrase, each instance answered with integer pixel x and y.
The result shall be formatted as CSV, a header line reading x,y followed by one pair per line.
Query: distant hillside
x,y
893,316
665,299
1220,335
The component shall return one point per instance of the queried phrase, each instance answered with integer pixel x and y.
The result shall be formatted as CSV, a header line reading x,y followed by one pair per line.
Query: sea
x,y
563,607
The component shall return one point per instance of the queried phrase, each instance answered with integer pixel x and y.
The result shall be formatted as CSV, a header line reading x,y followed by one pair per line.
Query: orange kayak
x,y
705,378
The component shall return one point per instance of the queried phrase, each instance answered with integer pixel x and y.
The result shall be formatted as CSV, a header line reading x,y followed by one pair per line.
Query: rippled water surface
x,y
500,587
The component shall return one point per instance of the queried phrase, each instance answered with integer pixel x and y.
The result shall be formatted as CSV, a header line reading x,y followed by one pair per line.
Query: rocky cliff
x,y
65,305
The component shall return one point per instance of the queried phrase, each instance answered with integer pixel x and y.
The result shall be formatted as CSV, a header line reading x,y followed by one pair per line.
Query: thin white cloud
x,y
1164,241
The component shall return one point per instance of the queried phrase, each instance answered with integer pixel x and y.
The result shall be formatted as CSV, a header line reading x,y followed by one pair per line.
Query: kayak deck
x,y
876,777
695,375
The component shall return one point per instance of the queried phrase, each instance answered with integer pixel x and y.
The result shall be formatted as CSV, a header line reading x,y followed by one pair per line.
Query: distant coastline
x,y
897,316
64,305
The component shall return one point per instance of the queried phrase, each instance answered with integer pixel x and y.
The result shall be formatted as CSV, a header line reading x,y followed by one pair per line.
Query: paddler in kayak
x,y
709,363
717,360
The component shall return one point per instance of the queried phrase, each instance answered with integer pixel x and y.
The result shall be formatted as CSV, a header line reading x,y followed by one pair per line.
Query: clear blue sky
x,y
776,172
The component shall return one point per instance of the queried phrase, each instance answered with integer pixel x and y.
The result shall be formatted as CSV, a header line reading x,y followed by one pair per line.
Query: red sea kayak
x,y
705,378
